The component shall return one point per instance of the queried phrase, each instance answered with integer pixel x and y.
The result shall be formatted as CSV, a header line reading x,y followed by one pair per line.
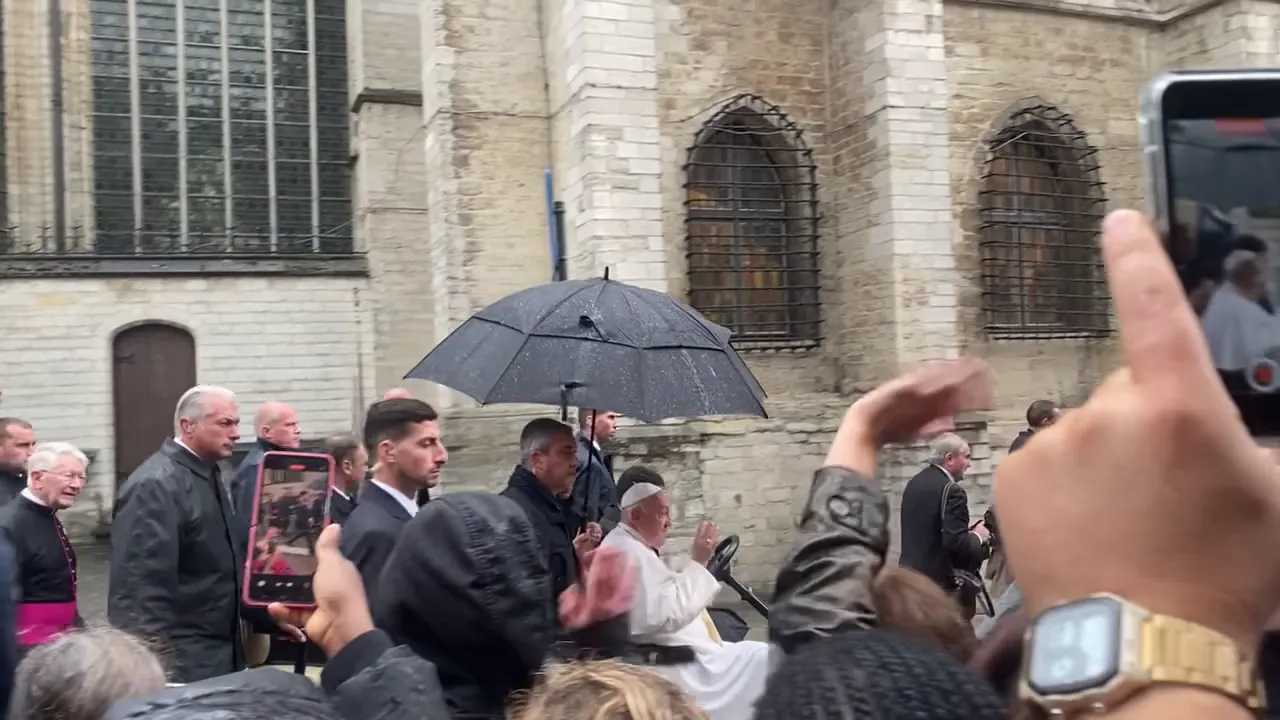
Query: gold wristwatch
x,y
1091,655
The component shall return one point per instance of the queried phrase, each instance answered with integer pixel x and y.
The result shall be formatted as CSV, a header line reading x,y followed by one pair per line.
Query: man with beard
x,y
17,441
45,559
936,538
403,435
541,484
176,563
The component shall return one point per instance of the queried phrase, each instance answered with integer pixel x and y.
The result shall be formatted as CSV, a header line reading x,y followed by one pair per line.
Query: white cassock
x,y
1237,329
670,610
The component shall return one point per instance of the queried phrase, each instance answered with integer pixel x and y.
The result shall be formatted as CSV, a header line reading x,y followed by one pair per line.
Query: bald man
x,y
276,426
397,393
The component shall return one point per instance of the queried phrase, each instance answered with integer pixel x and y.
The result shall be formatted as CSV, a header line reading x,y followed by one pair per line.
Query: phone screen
x,y
293,504
1222,158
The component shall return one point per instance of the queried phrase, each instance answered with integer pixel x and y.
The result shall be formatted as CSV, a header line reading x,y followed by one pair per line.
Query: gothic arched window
x,y
1042,204
751,225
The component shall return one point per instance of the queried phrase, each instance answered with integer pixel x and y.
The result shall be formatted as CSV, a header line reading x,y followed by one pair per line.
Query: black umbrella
x,y
597,344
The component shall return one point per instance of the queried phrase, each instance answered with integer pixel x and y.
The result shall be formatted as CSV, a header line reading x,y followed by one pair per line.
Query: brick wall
x,y
987,76
301,341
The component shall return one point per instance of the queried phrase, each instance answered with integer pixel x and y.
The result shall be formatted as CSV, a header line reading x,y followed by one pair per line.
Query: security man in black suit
x,y
403,434
350,465
936,538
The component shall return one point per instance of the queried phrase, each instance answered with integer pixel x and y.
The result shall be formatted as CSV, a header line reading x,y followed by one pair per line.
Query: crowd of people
x,y
1134,529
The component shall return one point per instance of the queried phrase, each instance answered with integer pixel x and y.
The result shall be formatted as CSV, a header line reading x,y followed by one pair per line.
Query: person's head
x,y
548,450
1042,413
876,674
350,459
645,506
17,442
605,690
207,421
56,474
1243,269
397,393
914,605
599,425
951,453
80,675
502,601
403,436
277,424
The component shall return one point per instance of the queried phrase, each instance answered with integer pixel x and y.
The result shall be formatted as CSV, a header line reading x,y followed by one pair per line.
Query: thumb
x,y
327,543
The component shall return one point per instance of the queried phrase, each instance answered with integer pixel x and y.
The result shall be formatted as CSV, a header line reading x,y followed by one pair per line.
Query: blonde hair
x,y
604,690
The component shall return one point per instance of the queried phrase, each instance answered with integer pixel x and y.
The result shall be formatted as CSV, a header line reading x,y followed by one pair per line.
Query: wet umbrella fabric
x,y
597,344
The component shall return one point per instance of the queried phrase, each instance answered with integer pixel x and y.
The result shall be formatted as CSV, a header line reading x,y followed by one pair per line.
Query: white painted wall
x,y
299,340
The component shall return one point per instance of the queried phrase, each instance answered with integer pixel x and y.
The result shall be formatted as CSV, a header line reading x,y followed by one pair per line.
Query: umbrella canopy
x,y
597,344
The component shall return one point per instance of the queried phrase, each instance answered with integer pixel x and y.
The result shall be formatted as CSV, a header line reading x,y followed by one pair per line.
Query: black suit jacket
x,y
371,532
340,507
936,538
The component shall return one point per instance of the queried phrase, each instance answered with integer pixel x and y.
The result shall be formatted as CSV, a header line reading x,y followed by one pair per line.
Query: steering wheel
x,y
718,563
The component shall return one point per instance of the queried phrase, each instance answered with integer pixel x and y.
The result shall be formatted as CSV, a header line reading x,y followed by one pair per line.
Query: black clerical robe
x,y
46,571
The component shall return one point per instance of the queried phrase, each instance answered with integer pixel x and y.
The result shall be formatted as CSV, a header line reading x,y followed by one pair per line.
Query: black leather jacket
x,y
824,586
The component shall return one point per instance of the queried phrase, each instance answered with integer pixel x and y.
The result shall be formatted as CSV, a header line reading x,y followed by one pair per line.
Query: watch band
x,y
1177,651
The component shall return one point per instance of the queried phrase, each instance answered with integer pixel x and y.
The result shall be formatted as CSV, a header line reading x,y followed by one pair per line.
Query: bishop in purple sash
x,y
45,560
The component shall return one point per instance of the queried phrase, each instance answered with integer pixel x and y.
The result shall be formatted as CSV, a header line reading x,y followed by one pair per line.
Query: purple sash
x,y
39,622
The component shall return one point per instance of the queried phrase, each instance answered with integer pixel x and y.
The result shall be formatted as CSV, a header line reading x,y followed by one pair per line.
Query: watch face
x,y
1075,647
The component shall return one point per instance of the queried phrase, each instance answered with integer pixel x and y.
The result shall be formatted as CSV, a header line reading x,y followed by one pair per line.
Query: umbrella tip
x,y
606,272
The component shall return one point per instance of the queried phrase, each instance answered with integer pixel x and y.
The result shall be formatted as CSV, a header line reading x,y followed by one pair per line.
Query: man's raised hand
x,y
704,542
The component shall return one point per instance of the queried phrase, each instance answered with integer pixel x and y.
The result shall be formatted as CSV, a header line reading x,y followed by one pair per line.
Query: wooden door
x,y
153,365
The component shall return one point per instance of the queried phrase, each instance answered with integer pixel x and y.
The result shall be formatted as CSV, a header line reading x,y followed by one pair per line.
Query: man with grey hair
x,y
45,559
541,484
936,538
176,560
1236,328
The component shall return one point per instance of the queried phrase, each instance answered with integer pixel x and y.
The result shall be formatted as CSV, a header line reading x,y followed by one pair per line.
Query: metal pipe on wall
x,y
57,137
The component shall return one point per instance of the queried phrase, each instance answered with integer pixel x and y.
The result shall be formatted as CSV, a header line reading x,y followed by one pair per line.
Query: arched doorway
x,y
153,365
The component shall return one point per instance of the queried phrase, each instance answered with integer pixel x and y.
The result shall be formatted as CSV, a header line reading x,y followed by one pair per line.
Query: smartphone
x,y
290,509
1211,148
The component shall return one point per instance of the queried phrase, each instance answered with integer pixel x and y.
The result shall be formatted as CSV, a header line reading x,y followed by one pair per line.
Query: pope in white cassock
x,y
670,610
1236,328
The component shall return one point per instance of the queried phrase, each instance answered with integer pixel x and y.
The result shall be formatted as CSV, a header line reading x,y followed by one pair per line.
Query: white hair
x,y
46,455
944,445
193,404
1238,259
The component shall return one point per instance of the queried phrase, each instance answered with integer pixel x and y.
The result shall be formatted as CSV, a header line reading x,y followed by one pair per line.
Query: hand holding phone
x,y
1211,145
290,510
341,613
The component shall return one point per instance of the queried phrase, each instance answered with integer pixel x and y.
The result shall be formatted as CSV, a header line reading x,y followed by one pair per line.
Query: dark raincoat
x,y
467,588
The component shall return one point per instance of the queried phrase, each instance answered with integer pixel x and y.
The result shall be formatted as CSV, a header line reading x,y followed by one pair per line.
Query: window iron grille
x,y
1041,204
751,226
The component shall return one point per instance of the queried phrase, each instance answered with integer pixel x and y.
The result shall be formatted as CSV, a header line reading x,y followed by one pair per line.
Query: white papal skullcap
x,y
638,493
1238,258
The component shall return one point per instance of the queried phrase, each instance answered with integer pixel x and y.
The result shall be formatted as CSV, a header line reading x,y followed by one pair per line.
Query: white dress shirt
x,y
407,502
